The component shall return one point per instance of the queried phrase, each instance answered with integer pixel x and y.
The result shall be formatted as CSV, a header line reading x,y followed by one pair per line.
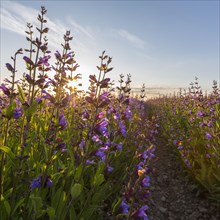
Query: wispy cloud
x,y
133,39
79,28
14,17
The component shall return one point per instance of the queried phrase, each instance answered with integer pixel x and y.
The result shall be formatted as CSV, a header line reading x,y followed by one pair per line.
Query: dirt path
x,y
174,196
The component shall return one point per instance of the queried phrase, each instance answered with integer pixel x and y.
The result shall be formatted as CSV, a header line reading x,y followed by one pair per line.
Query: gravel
x,y
174,196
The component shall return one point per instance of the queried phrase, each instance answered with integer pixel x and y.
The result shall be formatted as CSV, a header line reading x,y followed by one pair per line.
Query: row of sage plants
x,y
191,122
66,153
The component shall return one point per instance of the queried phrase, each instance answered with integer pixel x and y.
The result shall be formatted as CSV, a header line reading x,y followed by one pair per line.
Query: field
x,y
66,153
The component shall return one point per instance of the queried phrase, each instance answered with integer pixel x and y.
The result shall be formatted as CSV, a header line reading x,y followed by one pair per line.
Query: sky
x,y
160,43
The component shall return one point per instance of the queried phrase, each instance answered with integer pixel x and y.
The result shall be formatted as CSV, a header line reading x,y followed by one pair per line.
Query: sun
x,y
78,85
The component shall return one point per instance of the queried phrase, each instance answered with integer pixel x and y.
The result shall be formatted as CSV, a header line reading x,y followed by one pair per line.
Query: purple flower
x,y
208,155
5,89
188,164
104,95
201,124
209,124
44,60
190,112
208,136
140,166
51,81
49,182
36,183
9,67
82,144
144,155
58,56
90,162
116,115
61,146
100,153
123,208
95,138
17,113
140,213
28,61
85,114
38,100
100,114
119,147
199,113
110,109
101,127
128,114
146,181
109,168
62,122
104,83
122,128
48,96
180,147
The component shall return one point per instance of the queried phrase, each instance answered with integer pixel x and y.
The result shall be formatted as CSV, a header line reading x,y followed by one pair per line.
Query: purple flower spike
x,y
36,183
199,113
109,168
58,56
44,60
90,162
95,138
122,128
62,122
82,144
123,208
38,100
49,182
146,181
119,147
5,89
17,113
28,61
9,67
140,213
208,136
48,96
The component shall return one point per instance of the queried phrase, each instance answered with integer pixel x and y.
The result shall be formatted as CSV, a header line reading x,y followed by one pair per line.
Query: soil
x,y
174,196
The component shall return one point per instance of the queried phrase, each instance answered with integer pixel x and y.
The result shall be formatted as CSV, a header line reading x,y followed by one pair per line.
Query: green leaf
x,y
51,213
30,111
56,198
19,203
8,152
21,93
98,179
59,203
116,205
101,167
78,172
36,202
10,110
89,211
72,213
6,205
76,190
102,193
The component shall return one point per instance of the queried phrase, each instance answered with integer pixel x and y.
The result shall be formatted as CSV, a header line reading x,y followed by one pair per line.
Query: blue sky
x,y
161,43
